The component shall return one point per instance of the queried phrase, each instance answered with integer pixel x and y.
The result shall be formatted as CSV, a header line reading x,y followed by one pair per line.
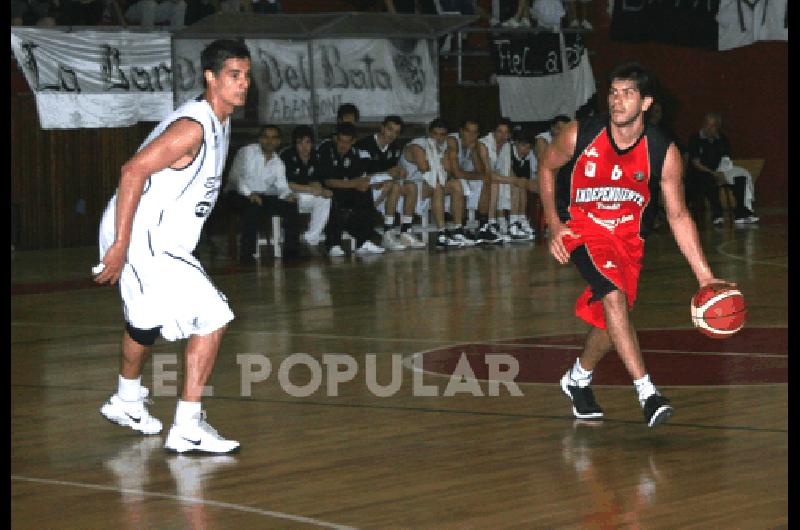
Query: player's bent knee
x,y
143,337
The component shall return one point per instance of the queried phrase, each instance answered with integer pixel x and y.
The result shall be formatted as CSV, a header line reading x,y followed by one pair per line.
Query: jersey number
x,y
616,173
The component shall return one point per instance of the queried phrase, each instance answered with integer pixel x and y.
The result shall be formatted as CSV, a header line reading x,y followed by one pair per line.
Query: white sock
x,y
579,375
645,388
407,219
129,389
185,411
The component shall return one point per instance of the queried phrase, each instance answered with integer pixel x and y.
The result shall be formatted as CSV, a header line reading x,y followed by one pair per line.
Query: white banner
x,y
380,76
95,78
540,95
117,78
742,22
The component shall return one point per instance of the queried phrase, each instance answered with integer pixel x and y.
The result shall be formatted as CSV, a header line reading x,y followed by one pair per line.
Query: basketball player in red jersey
x,y
598,183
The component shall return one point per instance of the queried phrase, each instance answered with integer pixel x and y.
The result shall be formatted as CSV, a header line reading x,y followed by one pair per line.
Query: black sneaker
x,y
487,237
583,404
656,410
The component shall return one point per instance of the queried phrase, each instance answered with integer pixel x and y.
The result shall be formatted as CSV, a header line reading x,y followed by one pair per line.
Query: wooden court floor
x,y
467,454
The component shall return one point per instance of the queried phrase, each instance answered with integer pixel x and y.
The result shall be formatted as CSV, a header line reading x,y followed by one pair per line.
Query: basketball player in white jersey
x,y
465,165
425,164
495,153
148,232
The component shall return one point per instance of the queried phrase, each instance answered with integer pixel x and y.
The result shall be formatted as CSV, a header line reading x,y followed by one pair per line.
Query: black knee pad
x,y
145,337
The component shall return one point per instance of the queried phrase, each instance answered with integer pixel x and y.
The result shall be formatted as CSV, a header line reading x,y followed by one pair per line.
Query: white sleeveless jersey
x,y
500,161
412,171
175,203
464,154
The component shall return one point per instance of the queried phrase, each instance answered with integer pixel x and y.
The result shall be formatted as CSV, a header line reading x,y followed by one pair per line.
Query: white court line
x,y
194,500
644,350
745,259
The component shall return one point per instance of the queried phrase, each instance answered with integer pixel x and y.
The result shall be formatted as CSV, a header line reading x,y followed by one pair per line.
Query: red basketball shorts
x,y
607,261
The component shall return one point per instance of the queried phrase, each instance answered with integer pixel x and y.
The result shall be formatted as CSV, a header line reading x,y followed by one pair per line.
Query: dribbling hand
x,y
557,247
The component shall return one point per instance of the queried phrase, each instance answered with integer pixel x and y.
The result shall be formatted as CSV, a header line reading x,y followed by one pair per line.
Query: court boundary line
x,y
182,498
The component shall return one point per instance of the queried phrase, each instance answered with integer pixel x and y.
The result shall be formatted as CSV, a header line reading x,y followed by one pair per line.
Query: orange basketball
x,y
718,310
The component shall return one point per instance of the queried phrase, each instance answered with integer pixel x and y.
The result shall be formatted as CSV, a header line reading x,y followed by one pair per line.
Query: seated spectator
x,y
353,210
578,14
302,174
706,149
465,165
380,153
505,188
35,12
523,167
427,167
345,113
710,166
521,17
148,13
259,176
548,13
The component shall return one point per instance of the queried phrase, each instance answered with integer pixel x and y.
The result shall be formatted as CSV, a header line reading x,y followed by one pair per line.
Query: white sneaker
x,y
511,23
527,228
133,414
575,24
391,242
524,22
719,221
408,239
587,25
517,233
462,239
368,247
336,251
197,436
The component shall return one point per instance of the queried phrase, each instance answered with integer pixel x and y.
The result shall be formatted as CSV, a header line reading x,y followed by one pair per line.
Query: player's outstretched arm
x,y
556,155
175,147
680,220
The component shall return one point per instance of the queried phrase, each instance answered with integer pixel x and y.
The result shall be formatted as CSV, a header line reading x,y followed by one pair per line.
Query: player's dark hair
x,y
633,71
437,123
504,121
215,54
302,131
346,129
347,108
397,120
268,126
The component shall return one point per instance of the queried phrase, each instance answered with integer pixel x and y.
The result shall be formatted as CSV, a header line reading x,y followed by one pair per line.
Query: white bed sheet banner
x,y
743,22
380,76
91,79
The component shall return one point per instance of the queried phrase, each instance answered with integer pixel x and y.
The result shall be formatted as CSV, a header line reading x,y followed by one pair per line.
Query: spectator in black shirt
x,y
302,175
706,149
342,170
380,154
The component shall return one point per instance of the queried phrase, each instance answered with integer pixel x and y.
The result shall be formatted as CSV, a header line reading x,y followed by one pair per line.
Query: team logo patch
x,y
590,169
202,208
639,176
